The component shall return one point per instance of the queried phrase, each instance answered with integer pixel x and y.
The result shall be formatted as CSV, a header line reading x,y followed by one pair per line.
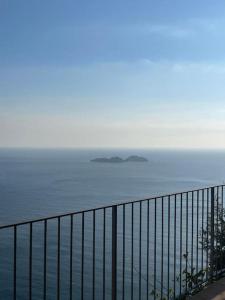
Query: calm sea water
x,y
39,183
36,183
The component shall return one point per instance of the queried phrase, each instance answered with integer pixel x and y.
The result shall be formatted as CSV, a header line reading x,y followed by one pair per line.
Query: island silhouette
x,y
117,159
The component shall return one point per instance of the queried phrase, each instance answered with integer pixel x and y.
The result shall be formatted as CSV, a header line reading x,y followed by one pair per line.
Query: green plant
x,y
158,295
170,296
193,280
213,238
213,243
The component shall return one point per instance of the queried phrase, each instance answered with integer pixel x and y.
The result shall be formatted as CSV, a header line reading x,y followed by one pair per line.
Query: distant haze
x,y
139,74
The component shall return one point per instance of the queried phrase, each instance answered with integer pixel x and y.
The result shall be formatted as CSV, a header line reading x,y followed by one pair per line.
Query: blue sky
x,y
112,73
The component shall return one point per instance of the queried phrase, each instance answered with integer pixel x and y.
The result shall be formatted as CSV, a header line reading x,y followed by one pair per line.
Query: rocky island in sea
x,y
116,159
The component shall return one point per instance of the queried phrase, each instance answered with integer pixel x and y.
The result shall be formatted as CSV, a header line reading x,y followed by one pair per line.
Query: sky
x,y
99,73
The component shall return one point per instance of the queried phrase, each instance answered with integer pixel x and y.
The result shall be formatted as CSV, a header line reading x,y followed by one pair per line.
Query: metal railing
x,y
158,248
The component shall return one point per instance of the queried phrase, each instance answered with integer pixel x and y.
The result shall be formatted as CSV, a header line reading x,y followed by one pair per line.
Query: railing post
x,y
114,252
212,233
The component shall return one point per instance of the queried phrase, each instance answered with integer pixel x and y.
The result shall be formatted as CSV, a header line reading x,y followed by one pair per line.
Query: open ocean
x,y
41,183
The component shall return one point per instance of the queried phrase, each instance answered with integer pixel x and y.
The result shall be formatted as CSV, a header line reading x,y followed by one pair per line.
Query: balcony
x,y
166,247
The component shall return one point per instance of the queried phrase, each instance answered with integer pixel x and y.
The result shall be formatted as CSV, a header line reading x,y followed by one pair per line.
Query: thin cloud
x,y
171,31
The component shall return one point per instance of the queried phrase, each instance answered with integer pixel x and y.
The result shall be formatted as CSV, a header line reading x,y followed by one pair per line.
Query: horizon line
x,y
110,148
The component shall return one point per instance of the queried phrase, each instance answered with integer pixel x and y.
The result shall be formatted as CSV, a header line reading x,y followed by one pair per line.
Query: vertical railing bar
x,y
222,197
192,231
71,257
162,244
221,230
203,207
45,260
124,220
175,246
212,234
82,256
155,232
207,236
30,260
114,252
147,250
104,233
58,258
15,264
168,250
132,250
217,227
186,266
181,240
93,262
197,233
140,252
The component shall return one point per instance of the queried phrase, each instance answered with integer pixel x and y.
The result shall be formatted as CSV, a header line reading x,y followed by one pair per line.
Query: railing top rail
x,y
107,207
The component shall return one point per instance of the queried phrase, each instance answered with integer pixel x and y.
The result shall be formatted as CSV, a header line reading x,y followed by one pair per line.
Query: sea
x,y
37,183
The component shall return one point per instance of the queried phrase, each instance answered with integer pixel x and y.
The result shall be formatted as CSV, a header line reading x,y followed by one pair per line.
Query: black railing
x,y
157,248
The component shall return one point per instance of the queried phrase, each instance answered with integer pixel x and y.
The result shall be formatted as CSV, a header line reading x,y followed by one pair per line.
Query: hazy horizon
x,y
122,149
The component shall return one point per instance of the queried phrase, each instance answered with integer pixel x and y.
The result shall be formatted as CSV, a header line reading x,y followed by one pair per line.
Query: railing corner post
x,y
212,224
114,252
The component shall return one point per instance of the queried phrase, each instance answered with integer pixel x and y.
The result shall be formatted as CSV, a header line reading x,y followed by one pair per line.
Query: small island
x,y
135,158
116,159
